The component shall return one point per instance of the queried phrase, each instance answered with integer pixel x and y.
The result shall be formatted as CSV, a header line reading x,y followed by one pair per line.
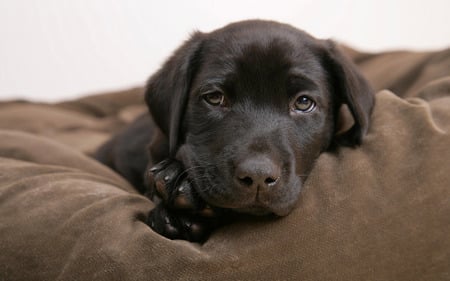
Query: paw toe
x,y
183,197
207,212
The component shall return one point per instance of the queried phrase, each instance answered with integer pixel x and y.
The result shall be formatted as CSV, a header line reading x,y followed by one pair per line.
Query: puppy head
x,y
249,107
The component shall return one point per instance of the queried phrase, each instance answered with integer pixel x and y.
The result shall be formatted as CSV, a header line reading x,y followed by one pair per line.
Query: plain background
x,y
52,50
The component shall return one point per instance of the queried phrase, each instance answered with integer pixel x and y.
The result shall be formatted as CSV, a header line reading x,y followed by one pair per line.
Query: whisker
x,y
185,171
198,167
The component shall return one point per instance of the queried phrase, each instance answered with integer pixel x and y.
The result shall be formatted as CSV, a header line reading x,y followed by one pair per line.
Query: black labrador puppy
x,y
238,117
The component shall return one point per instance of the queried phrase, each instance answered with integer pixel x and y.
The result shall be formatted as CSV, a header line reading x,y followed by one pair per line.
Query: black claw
x,y
171,232
161,165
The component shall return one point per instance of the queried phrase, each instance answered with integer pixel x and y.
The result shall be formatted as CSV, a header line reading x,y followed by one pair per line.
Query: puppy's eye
x,y
214,98
303,104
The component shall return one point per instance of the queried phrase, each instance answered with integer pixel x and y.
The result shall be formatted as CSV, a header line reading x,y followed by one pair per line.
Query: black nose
x,y
259,171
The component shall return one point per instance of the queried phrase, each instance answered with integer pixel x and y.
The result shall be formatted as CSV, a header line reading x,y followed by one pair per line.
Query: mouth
x,y
257,203
254,210
260,209
268,204
253,207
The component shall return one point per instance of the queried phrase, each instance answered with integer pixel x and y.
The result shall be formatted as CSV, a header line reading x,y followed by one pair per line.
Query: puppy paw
x,y
180,213
168,183
178,225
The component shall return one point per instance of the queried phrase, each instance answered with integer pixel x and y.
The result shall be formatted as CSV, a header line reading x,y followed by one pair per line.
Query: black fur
x,y
251,153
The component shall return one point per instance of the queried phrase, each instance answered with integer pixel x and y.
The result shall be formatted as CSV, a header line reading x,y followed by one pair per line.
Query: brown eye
x,y
214,98
304,104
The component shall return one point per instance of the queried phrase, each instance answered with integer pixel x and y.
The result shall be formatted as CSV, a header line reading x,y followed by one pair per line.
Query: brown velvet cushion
x,y
377,212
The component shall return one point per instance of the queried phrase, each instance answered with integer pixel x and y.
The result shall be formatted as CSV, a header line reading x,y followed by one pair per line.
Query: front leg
x,y
180,212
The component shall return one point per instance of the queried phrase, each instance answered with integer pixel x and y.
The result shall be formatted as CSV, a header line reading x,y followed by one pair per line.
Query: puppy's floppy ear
x,y
168,89
352,90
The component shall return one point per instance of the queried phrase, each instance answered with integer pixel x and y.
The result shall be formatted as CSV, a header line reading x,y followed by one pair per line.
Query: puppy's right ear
x,y
353,90
167,90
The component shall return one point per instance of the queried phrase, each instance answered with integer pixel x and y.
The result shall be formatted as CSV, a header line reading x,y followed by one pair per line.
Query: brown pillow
x,y
377,212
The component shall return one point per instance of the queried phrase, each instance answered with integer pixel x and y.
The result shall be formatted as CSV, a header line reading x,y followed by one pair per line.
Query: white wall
x,y
53,50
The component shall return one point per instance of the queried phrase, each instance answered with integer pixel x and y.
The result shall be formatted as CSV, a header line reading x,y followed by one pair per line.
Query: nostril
x,y
246,181
270,181
259,171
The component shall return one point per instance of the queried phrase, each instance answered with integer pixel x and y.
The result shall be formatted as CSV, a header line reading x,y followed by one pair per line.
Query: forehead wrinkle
x,y
257,76
254,64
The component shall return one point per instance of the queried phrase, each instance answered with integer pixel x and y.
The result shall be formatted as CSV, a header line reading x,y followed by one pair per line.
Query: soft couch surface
x,y
377,212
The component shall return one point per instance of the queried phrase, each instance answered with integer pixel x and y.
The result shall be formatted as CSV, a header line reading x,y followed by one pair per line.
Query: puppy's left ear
x,y
168,90
353,90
